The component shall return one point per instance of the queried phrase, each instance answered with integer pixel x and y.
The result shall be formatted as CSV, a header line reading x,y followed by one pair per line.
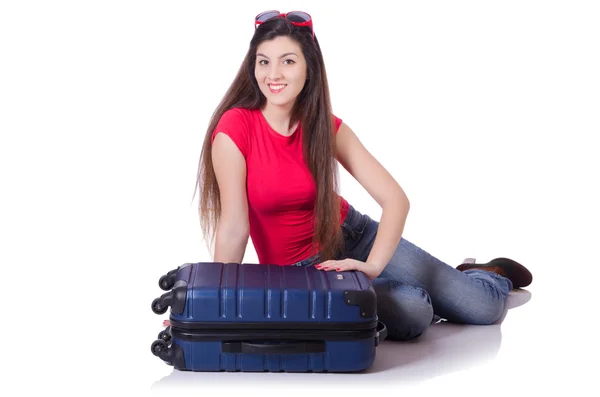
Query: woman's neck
x,y
279,118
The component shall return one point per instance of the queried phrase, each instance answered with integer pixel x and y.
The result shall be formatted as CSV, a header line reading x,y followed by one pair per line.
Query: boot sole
x,y
515,272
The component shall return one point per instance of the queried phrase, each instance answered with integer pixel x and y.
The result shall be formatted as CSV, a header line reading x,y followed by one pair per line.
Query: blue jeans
x,y
415,287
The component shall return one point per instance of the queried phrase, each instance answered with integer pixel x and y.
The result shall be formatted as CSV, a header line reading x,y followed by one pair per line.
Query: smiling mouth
x,y
276,88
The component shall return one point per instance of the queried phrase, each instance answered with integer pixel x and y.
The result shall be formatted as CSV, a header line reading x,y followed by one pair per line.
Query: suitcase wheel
x,y
163,351
165,335
159,346
171,354
158,308
166,282
175,299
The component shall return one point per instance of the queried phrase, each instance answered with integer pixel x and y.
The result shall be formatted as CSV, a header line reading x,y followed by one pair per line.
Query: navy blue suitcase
x,y
252,317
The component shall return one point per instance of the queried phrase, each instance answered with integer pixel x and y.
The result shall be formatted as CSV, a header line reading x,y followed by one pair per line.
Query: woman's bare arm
x,y
233,229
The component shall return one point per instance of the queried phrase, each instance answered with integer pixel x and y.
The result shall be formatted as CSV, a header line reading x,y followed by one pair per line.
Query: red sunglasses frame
x,y
280,14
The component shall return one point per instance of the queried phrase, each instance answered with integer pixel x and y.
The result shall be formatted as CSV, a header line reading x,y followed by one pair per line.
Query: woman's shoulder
x,y
337,122
237,123
238,113
236,117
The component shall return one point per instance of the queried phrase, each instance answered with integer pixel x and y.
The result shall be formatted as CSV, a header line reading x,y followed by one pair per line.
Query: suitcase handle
x,y
381,333
273,348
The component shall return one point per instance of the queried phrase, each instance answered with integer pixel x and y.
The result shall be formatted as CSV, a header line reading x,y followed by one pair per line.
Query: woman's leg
x,y
472,297
405,310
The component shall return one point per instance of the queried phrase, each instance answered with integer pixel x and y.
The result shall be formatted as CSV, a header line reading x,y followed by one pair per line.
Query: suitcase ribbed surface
x,y
270,293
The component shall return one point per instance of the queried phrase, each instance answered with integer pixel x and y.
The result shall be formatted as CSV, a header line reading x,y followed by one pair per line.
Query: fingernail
x,y
337,268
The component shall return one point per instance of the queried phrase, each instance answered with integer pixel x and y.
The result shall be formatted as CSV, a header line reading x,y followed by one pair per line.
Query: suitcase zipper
x,y
270,334
279,326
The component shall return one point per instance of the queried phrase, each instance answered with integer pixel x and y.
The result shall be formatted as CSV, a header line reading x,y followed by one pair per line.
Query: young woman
x,y
268,171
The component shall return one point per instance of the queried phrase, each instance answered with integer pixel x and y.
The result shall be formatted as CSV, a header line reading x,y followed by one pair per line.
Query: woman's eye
x,y
262,62
289,60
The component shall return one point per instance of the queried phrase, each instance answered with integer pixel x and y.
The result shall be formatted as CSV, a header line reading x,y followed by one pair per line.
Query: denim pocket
x,y
354,232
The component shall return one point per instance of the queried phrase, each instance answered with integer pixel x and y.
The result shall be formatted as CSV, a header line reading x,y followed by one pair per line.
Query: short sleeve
x,y
337,122
233,123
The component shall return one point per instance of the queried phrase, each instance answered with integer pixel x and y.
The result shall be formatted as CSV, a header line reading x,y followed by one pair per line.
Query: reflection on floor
x,y
443,349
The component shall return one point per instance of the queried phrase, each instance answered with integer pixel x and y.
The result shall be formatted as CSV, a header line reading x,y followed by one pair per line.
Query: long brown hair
x,y
312,108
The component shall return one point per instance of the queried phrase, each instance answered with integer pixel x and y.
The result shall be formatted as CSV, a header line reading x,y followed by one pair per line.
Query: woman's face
x,y
280,70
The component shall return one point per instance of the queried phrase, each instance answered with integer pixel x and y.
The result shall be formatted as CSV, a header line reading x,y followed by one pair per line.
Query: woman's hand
x,y
372,271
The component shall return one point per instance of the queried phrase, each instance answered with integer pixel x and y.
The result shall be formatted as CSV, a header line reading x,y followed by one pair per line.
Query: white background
x,y
486,113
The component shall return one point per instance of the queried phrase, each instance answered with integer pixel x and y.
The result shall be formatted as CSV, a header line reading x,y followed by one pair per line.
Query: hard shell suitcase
x,y
252,317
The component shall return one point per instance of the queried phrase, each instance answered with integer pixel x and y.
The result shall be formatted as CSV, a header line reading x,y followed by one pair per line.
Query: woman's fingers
x,y
340,265
327,265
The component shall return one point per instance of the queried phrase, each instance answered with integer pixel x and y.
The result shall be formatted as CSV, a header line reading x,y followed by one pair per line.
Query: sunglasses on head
x,y
297,18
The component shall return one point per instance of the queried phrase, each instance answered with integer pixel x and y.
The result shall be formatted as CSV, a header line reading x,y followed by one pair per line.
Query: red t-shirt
x,y
281,191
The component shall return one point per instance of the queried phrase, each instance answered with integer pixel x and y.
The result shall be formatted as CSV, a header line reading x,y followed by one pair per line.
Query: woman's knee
x,y
481,306
481,312
405,310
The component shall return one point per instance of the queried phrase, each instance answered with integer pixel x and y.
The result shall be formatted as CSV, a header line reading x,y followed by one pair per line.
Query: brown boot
x,y
514,271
